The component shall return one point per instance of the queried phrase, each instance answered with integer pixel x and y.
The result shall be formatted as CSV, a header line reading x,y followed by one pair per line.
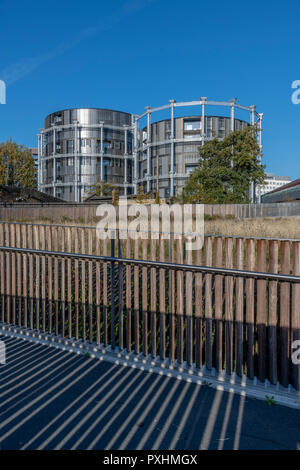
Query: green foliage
x,y
270,400
115,197
101,188
16,166
157,198
141,197
226,169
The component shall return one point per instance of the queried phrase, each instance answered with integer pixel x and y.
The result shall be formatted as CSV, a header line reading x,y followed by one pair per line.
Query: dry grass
x,y
269,228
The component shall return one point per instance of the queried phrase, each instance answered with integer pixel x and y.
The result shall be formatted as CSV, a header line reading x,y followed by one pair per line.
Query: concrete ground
x,y
53,399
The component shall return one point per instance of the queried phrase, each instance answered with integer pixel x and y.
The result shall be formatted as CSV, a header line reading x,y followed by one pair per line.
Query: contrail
x,y
18,70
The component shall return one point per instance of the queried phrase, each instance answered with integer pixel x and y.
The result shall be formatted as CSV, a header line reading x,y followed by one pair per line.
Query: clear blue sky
x,y
126,54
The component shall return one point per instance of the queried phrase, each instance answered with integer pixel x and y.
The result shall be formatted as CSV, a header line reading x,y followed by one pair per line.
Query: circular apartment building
x,y
79,147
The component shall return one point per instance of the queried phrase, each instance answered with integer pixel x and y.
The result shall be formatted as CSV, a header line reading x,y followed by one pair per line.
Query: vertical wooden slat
x,y
136,299
56,280
43,279
19,275
31,277
13,273
171,300
250,308
145,298
296,315
83,296
69,276
261,309
128,296
239,309
229,306
105,296
112,308
272,327
8,276
63,282
179,303
153,297
76,298
198,309
25,276
162,301
120,321
50,279
208,305
218,262
37,279
90,284
2,270
285,254
189,309
98,292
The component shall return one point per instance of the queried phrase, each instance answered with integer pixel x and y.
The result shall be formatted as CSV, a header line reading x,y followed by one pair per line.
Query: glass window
x,y
192,125
189,168
69,146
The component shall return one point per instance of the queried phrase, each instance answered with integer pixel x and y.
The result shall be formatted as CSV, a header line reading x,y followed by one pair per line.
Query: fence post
x,y
208,305
272,329
218,262
284,319
239,309
296,312
229,306
261,310
250,308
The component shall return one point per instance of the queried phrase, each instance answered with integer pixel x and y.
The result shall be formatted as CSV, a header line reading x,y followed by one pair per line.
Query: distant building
x,y
272,182
288,193
81,146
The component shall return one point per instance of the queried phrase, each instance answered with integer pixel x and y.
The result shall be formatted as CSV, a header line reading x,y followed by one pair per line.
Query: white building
x,y
272,182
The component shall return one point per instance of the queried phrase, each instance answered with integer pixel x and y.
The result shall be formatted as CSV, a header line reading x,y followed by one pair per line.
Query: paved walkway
x,y
53,399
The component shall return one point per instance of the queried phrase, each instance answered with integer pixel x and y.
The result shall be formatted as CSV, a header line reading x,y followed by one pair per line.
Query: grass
x,y
288,227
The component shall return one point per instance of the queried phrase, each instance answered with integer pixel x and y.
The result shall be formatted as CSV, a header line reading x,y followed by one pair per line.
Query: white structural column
x,y
148,108
233,101
172,149
76,162
101,152
40,162
54,161
135,154
252,115
203,101
125,155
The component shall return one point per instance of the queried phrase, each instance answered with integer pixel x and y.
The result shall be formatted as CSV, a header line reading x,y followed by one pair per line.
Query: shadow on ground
x,y
53,399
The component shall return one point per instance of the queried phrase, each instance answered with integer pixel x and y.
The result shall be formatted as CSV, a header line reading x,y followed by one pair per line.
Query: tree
x,y
16,166
101,188
141,197
115,197
226,169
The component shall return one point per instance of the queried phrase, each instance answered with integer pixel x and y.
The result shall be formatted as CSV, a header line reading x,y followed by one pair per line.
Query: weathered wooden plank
x,y
198,310
69,277
98,293
296,315
76,293
272,327
179,303
208,305
218,262
37,277
13,273
153,297
136,300
50,279
239,309
250,308
261,309
162,301
145,298
2,271
285,254
83,287
90,286
229,306
189,309
128,297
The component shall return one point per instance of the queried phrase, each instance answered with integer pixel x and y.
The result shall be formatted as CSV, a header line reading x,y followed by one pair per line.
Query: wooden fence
x,y
86,213
217,319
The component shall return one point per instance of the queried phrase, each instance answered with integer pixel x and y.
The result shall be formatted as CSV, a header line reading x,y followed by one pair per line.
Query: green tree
x,y
16,166
115,197
226,169
141,197
101,188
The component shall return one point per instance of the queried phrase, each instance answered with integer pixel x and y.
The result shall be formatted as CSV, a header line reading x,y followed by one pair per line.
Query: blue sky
x,y
127,54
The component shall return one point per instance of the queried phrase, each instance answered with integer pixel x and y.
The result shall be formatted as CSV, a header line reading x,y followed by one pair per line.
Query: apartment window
x,y
189,168
70,161
69,146
192,125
